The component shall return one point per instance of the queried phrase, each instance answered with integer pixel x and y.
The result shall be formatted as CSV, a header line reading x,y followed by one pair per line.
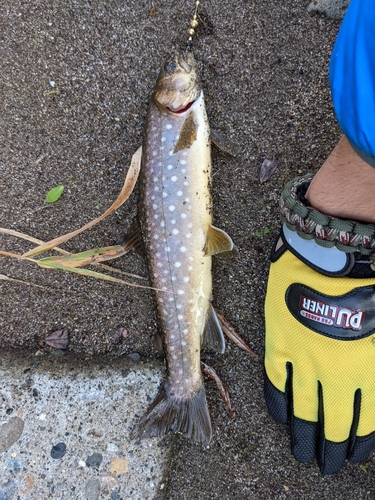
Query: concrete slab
x,y
65,426
334,9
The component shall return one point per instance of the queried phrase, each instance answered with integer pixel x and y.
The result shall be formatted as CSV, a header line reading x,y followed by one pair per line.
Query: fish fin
x,y
169,413
217,242
158,343
132,239
224,143
213,336
188,134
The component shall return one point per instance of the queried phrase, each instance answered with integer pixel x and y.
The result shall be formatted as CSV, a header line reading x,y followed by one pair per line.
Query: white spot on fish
x,y
169,167
171,152
171,208
163,139
173,178
178,306
162,224
160,164
185,183
153,197
188,235
183,343
183,216
156,188
186,279
184,153
180,317
164,288
159,264
180,372
156,179
175,231
185,331
183,162
156,236
154,153
190,224
187,200
173,221
173,278
167,249
165,194
171,299
183,249
154,206
180,292
168,126
179,193
156,216
177,264
183,170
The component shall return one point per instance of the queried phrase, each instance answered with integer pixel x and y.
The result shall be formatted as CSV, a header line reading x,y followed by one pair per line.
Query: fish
x,y
178,241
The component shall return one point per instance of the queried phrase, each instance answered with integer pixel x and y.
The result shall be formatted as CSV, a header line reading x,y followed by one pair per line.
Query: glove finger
x,y
303,434
360,446
276,401
330,455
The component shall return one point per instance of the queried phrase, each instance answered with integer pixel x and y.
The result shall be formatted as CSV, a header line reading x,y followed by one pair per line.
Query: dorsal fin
x,y
188,134
213,336
217,241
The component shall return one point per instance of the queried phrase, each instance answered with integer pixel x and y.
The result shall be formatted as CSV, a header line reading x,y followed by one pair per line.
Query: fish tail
x,y
169,413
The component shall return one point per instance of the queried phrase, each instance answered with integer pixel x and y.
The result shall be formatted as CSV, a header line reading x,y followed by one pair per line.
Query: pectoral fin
x,y
213,336
188,134
217,242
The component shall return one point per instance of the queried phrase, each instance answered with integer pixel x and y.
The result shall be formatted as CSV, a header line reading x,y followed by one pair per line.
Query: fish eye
x,y
170,67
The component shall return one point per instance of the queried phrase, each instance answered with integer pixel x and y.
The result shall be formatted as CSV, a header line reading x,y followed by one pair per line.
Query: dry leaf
x,y
58,339
267,169
120,333
223,389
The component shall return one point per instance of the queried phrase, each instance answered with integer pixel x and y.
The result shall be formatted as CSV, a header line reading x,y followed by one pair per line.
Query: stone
x,y
92,489
334,9
10,432
119,465
94,460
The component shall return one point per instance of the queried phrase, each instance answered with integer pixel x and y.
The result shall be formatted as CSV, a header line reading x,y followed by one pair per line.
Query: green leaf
x,y
266,230
363,468
55,193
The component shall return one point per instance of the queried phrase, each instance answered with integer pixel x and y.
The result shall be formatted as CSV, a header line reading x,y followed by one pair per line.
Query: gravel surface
x,y
76,76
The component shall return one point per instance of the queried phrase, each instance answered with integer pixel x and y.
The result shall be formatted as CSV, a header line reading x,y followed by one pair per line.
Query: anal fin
x,y
218,241
168,413
213,337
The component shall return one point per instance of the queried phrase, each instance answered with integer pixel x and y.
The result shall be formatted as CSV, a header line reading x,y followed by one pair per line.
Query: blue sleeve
x,y
352,75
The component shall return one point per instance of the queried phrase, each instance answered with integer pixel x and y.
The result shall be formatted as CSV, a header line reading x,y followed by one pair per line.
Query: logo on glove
x,y
330,314
346,317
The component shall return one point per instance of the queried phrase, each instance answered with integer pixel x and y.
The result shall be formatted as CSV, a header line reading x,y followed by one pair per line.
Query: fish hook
x,y
193,26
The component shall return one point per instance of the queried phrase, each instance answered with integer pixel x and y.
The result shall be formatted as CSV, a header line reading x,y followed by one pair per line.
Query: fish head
x,y
178,84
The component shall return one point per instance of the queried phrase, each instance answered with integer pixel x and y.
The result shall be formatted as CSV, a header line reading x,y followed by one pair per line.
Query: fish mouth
x,y
182,110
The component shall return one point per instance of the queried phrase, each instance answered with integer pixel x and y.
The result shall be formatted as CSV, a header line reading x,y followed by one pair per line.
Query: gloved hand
x,y
320,350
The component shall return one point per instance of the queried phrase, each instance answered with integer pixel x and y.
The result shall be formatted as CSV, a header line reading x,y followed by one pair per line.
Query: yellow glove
x,y
320,351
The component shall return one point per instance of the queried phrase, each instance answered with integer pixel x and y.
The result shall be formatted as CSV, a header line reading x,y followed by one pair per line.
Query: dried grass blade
x,y
127,189
223,389
6,278
231,333
93,274
84,258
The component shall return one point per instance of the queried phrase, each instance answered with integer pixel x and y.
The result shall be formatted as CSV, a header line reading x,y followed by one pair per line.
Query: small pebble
x,y
94,460
82,463
52,83
58,451
10,432
115,496
135,356
112,447
92,489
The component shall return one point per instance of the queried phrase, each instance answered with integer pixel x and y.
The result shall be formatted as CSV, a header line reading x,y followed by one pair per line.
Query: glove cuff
x,y
327,231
